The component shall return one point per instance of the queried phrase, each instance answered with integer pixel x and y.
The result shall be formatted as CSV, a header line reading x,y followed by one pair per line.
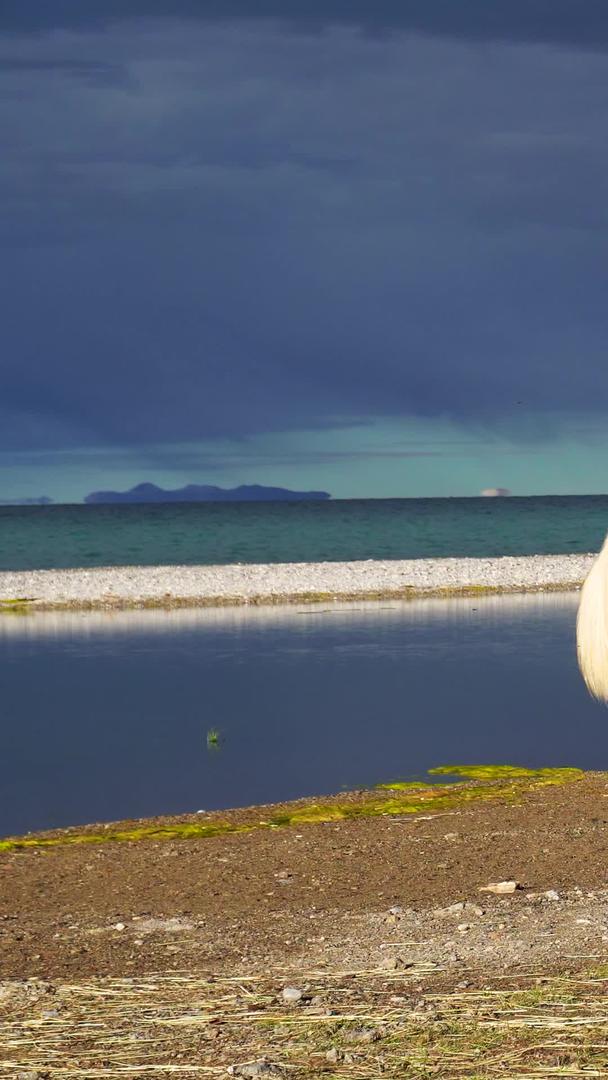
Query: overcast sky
x,y
350,245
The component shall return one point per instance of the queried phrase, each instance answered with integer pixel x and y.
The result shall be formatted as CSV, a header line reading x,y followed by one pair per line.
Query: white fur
x,y
592,627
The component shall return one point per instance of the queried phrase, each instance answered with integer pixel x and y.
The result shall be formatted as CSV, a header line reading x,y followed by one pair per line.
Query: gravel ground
x,y
373,892
141,586
355,949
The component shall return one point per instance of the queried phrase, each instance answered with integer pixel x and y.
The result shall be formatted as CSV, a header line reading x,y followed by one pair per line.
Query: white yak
x,y
592,627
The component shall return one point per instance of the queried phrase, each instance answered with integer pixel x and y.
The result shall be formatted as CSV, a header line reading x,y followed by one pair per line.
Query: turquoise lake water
x,y
211,533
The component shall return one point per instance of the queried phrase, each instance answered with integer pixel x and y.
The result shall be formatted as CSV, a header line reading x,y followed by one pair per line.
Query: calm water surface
x,y
105,716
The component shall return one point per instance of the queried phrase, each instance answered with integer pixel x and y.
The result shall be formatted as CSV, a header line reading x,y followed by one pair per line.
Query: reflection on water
x,y
106,715
349,613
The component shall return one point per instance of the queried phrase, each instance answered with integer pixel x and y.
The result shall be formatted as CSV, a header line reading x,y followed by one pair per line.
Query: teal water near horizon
x,y
45,537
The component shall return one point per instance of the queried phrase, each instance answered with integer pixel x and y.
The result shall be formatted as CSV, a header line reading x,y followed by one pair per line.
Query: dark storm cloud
x,y
196,460
213,228
565,22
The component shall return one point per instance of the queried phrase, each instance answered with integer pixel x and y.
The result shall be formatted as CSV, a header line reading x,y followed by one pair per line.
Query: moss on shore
x,y
502,782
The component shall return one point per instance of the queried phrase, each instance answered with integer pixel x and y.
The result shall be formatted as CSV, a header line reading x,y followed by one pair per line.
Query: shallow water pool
x,y
107,716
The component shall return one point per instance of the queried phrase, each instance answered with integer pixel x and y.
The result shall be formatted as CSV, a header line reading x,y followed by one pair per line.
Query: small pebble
x,y
363,1035
252,1069
453,909
391,963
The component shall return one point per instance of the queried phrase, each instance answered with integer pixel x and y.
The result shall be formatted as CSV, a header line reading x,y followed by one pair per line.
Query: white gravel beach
x,y
182,586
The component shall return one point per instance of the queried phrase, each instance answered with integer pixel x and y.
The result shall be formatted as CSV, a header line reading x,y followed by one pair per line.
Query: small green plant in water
x,y
213,739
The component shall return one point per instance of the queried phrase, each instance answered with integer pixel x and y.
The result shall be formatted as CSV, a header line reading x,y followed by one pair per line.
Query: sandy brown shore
x,y
247,896
175,586
361,946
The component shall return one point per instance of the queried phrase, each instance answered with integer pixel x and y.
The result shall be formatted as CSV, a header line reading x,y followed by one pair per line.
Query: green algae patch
x,y
16,605
313,815
145,832
487,773
503,783
418,797
508,772
402,785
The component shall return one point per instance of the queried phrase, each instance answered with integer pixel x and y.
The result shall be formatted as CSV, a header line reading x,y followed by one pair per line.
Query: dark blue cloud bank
x,y
559,21
223,218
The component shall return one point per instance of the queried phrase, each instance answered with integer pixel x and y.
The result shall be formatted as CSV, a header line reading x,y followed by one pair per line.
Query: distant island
x,y
36,500
150,493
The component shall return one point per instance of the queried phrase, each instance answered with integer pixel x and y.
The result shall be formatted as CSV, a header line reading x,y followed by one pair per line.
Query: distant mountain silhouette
x,y
150,493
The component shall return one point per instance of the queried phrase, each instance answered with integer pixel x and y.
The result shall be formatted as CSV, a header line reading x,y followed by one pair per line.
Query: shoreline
x,y
123,587
379,940
470,784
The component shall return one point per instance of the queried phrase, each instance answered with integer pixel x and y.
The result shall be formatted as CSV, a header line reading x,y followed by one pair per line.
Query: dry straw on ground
x,y
363,1024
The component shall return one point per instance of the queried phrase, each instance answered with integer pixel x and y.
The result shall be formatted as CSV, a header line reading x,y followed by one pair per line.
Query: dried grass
x,y
373,1023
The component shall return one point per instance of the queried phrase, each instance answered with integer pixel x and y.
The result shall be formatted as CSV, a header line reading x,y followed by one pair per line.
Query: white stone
x,y
501,887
